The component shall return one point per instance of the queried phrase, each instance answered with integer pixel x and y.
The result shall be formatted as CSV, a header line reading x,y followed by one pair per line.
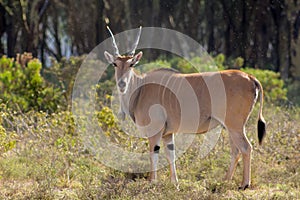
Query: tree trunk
x,y
295,48
284,41
209,8
2,27
11,37
100,25
243,39
262,34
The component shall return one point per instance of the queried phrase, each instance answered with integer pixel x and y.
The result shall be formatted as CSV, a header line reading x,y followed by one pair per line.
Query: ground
x,y
49,162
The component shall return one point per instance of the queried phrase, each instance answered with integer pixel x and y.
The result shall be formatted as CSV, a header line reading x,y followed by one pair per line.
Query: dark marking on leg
x,y
156,149
244,188
247,186
171,147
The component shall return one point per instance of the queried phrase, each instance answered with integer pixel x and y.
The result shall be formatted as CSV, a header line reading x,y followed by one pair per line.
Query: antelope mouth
x,y
122,90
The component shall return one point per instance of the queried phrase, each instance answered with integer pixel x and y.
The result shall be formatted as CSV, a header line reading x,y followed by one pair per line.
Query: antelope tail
x,y
261,124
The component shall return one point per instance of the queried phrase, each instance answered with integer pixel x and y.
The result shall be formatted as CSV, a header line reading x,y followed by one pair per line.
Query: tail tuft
x,y
261,130
261,124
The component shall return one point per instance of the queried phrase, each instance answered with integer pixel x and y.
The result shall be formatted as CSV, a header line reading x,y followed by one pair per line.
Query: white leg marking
x,y
154,142
170,153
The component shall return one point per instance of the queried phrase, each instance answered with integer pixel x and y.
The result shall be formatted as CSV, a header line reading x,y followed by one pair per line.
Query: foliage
x,y
63,74
220,60
159,63
273,86
62,27
294,92
236,63
7,138
22,86
49,161
106,117
44,155
104,90
195,64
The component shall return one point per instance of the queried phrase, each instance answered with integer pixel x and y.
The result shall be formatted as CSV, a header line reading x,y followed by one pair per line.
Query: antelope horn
x,y
114,42
136,42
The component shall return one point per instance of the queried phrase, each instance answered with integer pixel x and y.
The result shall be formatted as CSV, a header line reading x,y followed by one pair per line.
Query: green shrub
x,y
7,140
182,65
194,65
23,87
219,60
273,86
62,74
238,62
294,92
146,67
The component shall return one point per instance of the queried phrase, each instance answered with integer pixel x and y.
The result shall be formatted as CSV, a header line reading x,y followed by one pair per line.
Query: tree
x,y
264,33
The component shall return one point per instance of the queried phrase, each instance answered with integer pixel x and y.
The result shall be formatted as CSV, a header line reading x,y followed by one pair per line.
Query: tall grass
x,y
47,160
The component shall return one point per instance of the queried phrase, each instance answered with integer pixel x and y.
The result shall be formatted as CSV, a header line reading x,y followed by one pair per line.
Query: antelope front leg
x,y
170,153
154,142
121,114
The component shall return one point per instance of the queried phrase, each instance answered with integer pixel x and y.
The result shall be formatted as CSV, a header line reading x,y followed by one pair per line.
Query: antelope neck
x,y
129,99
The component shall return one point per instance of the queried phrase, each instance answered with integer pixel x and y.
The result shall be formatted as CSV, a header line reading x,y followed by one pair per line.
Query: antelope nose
x,y
121,84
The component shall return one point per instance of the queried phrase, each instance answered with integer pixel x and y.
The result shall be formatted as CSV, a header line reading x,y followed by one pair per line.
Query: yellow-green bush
x,y
62,74
22,86
273,86
7,140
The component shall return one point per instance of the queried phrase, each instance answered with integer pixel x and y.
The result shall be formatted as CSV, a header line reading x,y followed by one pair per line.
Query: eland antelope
x,y
163,102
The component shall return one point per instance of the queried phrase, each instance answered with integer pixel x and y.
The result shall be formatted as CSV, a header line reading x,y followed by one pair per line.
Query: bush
x,y
63,74
7,140
294,92
273,86
194,65
146,67
23,88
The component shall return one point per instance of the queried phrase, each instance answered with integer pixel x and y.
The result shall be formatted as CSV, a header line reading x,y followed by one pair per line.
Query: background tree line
x,y
264,33
39,130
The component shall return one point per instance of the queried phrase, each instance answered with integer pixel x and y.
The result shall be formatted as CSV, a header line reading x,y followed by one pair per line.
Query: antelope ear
x,y
137,58
110,58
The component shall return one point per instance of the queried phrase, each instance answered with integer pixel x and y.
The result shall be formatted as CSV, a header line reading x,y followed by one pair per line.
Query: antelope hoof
x,y
244,187
177,186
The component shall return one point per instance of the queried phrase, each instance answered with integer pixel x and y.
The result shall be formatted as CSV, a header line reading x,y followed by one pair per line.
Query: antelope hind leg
x,y
170,153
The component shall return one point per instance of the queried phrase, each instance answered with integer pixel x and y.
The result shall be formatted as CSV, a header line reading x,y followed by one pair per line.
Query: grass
x,y
50,162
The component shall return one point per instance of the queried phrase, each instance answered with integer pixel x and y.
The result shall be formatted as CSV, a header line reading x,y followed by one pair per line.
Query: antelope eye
x,y
131,65
115,64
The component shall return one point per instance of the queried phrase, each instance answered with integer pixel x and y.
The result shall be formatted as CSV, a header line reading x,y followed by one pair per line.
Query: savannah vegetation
x,y
43,155
42,152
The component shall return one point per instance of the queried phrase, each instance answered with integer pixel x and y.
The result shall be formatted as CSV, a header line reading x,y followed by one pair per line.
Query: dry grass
x,y
49,162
